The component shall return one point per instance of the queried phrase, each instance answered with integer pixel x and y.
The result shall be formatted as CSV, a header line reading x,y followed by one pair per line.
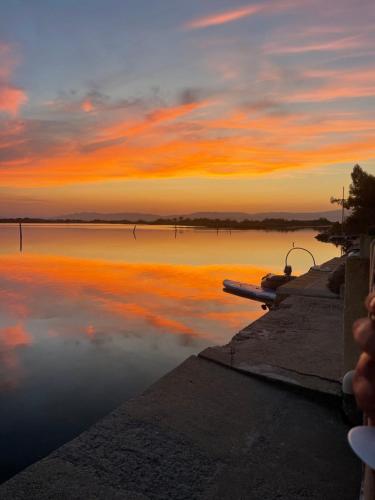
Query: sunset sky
x,y
169,106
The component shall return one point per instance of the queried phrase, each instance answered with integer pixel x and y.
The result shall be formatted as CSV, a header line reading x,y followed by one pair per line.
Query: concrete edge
x,y
331,398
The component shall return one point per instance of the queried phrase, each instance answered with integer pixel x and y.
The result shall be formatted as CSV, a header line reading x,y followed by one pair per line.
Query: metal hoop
x,y
298,248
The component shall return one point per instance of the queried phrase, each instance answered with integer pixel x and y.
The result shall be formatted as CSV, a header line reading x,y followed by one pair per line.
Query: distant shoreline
x,y
270,224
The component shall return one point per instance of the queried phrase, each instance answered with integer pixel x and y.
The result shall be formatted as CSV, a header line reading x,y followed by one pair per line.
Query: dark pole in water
x,y
135,227
20,230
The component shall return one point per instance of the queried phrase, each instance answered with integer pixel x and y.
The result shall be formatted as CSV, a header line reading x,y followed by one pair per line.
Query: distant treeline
x,y
279,224
245,224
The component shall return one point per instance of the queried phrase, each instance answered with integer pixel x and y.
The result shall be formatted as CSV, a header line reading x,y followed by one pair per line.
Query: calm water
x,y
90,316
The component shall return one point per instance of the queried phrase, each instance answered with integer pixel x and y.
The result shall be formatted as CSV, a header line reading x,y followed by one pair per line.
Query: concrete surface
x,y
300,343
202,431
313,283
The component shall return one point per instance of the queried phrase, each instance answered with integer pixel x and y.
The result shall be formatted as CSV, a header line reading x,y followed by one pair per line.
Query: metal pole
x,y
20,228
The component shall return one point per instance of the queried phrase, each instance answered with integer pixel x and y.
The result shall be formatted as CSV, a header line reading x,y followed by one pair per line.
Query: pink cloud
x,y
337,84
223,17
329,46
87,106
11,97
231,15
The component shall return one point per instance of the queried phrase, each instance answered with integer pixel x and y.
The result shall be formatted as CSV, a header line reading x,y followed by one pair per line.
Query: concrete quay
x,y
299,343
202,432
257,419
313,283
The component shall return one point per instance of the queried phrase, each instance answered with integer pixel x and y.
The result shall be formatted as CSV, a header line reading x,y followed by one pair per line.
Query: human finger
x,y
364,385
364,334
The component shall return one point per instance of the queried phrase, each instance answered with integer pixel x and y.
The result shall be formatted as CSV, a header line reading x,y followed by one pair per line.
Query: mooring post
x,y
20,230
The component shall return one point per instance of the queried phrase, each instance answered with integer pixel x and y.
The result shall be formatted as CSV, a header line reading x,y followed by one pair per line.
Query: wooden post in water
x,y
20,230
342,210
134,228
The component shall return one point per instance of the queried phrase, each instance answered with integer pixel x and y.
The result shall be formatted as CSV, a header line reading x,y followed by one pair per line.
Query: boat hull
x,y
249,291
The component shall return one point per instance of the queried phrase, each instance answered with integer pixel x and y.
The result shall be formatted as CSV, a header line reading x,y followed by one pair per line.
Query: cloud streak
x,y
335,85
223,17
345,43
229,16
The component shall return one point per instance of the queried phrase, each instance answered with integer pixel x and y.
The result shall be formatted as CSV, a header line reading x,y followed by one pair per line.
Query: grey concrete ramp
x,y
313,283
202,432
300,343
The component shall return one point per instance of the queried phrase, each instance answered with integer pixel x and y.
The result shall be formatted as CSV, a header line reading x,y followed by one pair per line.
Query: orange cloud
x,y
199,138
261,144
152,119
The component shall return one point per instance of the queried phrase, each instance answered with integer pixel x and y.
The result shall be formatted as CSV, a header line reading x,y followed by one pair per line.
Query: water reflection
x,y
99,301
11,339
91,315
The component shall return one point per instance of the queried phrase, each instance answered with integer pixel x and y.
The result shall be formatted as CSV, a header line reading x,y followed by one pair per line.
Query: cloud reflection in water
x,y
166,307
